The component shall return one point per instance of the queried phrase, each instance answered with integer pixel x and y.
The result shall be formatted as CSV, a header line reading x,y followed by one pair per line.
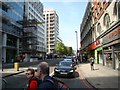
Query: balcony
x,y
29,35
31,43
52,40
52,33
30,30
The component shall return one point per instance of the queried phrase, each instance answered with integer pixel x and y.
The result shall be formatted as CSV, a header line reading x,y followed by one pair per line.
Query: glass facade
x,y
12,13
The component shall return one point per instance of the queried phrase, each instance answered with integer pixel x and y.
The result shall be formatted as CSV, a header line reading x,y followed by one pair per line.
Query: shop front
x,y
111,48
99,51
99,55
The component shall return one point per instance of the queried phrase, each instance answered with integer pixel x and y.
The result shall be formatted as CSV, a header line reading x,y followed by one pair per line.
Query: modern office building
x,y
104,39
11,13
34,30
52,28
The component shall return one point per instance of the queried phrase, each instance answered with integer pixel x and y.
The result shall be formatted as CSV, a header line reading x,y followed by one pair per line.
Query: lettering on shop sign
x,y
97,42
114,33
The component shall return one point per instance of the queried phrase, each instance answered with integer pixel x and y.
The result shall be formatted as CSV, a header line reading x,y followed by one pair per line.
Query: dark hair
x,y
31,70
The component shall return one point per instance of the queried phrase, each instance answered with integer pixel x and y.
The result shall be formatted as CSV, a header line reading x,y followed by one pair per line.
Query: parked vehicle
x,y
65,68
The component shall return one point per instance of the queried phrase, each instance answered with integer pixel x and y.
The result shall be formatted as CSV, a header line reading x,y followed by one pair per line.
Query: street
x,y
86,33
19,80
84,77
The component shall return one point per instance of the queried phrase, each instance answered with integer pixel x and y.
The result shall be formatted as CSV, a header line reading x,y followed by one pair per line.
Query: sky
x,y
70,17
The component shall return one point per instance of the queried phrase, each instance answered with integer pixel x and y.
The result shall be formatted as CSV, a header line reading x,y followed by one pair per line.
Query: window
x,y
115,9
119,10
99,28
107,20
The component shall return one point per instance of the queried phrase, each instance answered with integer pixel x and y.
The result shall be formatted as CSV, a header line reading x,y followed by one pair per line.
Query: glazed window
x,y
99,28
119,10
107,20
115,9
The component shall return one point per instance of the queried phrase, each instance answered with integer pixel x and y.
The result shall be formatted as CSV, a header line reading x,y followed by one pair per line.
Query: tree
x,y
69,50
61,49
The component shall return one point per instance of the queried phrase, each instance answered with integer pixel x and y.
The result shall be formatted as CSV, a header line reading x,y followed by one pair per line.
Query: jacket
x,y
45,85
33,84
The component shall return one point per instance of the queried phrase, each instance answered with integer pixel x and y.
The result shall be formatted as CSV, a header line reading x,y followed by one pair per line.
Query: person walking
x,y
33,82
48,82
43,72
92,63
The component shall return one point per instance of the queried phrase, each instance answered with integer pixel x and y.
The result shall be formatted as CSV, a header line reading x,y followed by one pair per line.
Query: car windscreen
x,y
65,64
67,59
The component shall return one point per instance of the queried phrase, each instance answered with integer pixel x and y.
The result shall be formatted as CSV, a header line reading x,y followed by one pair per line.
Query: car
x,y
70,60
65,68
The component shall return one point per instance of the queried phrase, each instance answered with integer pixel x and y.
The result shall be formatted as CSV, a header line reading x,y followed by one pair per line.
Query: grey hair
x,y
44,67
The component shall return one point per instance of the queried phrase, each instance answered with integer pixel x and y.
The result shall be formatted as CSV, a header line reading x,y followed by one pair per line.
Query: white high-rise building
x,y
34,34
52,28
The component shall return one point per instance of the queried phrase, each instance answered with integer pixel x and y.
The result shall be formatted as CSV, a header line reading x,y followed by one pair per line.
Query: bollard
x,y
16,66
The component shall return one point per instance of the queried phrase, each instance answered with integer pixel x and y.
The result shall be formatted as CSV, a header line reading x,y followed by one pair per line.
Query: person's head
x,y
36,74
43,69
29,73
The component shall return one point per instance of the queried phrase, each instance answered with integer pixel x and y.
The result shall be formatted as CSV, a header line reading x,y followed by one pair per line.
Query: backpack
x,y
58,85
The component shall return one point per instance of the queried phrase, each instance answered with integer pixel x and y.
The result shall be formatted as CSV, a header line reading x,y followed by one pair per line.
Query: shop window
x,y
108,59
107,20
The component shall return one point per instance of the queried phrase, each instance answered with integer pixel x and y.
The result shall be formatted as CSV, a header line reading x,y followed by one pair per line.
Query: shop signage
x,y
97,42
99,49
115,34
93,45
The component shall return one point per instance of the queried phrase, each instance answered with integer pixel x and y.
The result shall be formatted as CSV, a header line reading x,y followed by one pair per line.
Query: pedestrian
x,y
33,82
36,75
92,63
48,82
43,71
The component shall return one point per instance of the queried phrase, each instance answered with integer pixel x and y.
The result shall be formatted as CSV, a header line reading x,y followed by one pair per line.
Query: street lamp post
x,y
76,44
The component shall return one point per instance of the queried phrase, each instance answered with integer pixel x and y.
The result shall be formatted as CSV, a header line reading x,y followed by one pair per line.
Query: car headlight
x,y
71,71
57,70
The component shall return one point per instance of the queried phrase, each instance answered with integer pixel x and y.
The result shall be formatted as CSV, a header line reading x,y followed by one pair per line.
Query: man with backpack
x,y
33,82
48,82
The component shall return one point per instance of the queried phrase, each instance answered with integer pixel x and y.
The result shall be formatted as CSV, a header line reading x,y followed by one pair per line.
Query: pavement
x,y
101,77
